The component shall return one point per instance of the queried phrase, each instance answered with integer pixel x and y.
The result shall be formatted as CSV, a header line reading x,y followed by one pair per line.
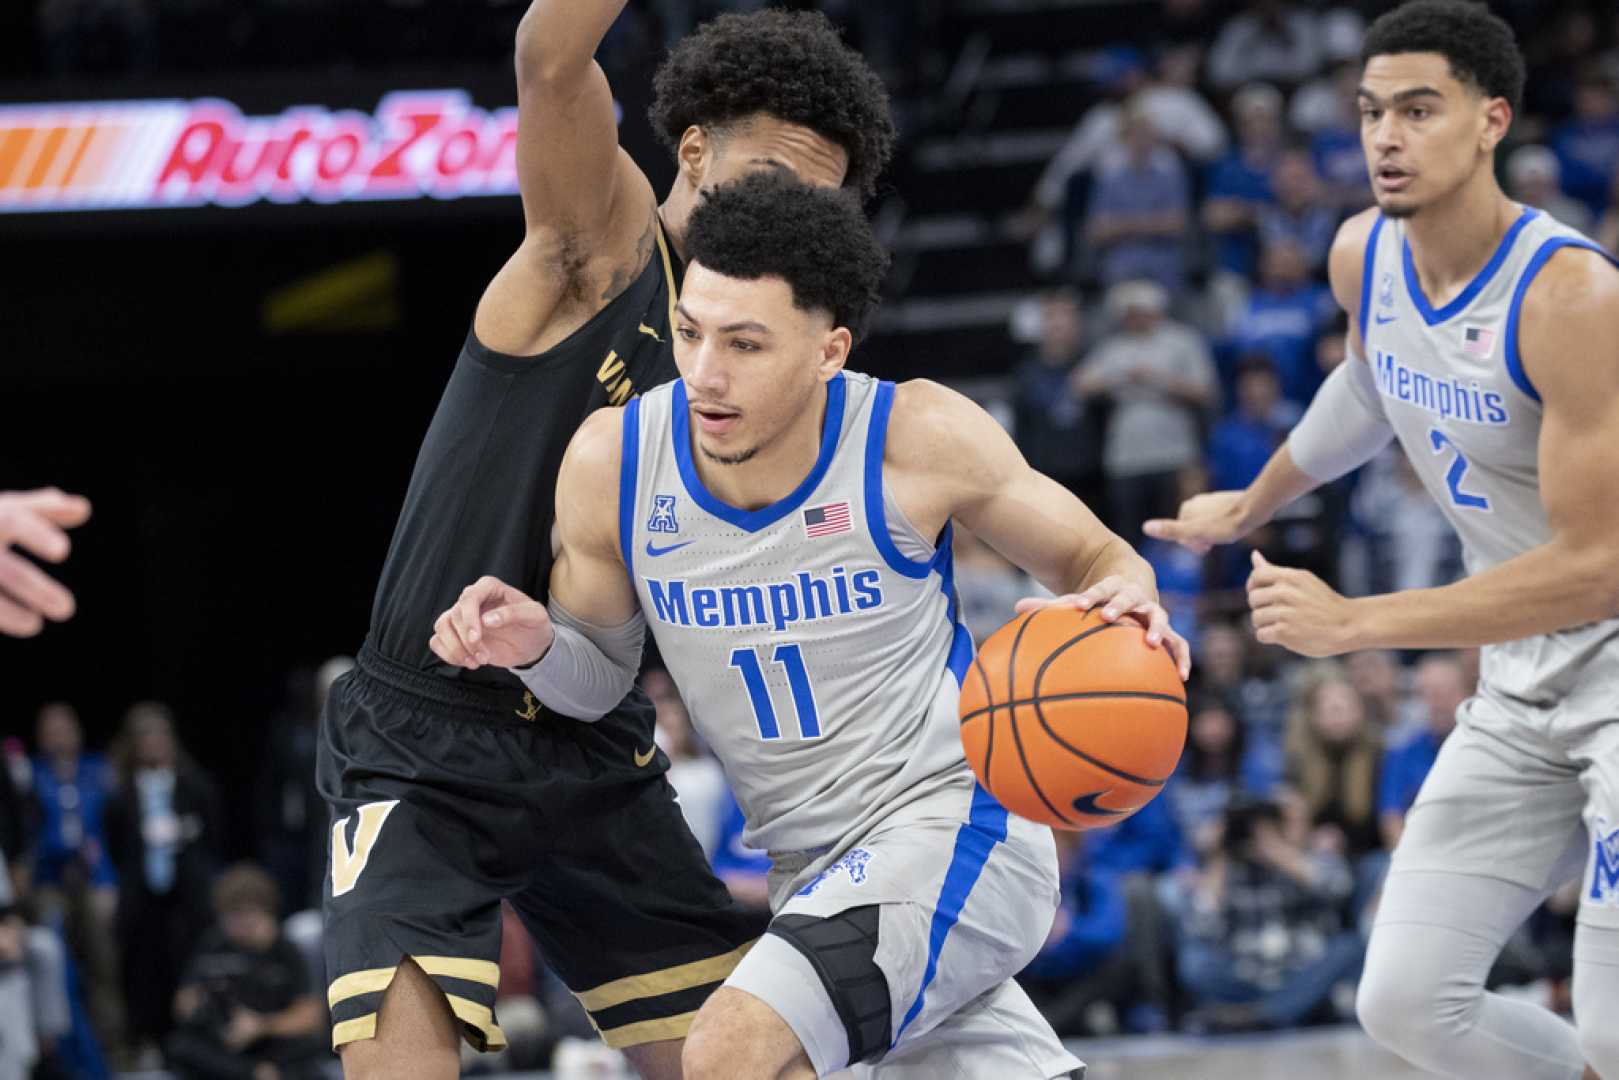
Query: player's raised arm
x,y
1342,430
952,460
586,206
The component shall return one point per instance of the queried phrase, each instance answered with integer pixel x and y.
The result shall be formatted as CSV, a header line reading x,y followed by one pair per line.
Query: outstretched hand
x,y
37,522
1203,521
1122,599
492,624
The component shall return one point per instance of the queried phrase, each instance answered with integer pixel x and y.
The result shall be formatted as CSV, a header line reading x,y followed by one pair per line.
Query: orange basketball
x,y
1072,721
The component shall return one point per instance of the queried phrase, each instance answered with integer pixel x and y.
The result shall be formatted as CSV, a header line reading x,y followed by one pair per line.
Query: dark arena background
x,y
237,368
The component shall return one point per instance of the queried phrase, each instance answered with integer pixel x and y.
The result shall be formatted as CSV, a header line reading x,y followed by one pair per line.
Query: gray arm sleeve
x,y
588,669
1344,427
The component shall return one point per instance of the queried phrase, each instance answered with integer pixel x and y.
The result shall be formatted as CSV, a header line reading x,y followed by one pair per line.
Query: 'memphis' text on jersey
x,y
805,597
1445,398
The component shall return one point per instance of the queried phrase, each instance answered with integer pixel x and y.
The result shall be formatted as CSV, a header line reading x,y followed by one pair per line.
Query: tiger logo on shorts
x,y
853,863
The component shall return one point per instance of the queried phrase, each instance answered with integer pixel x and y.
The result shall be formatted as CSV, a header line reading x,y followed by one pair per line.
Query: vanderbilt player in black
x,y
451,790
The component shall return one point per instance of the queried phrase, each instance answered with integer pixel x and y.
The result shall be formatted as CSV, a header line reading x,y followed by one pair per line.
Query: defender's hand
x,y
492,623
1120,599
1298,611
35,521
1218,517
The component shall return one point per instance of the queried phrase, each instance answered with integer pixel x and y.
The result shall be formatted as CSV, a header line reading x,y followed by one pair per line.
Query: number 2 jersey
x,y
815,641
1453,385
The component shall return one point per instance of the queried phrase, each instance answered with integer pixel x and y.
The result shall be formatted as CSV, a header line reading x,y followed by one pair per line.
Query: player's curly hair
x,y
769,224
1480,46
791,65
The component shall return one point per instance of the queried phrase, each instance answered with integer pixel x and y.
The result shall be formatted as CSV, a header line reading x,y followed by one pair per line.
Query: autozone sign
x,y
154,154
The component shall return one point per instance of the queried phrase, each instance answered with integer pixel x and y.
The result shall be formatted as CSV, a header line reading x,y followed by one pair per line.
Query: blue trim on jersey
x,y
627,470
1366,278
1536,261
985,827
876,515
1474,287
754,520
961,642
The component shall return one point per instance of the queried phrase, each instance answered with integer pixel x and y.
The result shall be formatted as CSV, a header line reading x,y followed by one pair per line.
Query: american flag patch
x,y
1477,341
826,520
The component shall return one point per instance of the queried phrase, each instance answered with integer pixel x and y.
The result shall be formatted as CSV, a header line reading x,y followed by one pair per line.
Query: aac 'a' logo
x,y
663,515
1604,864
1385,292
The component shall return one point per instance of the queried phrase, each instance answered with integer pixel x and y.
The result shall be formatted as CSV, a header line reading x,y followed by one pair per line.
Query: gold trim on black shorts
x,y
477,1019
656,1005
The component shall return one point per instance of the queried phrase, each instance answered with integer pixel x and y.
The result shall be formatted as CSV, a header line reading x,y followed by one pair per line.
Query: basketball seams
x,y
1017,736
1081,695
1064,743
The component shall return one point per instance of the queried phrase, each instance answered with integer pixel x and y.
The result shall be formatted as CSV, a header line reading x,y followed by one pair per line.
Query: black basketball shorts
x,y
446,799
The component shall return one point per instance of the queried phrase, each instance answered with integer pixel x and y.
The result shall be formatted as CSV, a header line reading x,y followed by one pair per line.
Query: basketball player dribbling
x,y
1485,337
784,525
452,790
36,521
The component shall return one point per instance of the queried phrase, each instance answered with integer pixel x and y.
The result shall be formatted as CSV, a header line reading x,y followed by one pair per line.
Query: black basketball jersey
x,y
482,499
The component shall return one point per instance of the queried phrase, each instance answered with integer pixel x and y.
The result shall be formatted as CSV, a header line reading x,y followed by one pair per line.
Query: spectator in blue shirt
x,y
1137,217
1588,145
1282,319
1240,183
1442,685
75,883
1300,214
1243,442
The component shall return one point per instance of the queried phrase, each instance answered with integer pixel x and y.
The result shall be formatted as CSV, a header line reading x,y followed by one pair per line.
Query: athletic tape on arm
x,y
588,669
1345,425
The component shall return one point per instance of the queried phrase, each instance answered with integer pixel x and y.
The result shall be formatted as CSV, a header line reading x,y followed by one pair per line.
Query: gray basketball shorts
x,y
1525,795
961,907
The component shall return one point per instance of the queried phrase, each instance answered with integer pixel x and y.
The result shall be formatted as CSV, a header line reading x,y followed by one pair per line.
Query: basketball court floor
x,y
1340,1053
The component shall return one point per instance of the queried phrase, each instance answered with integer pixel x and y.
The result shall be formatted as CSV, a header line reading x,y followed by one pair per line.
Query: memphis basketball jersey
x,y
1453,385
815,641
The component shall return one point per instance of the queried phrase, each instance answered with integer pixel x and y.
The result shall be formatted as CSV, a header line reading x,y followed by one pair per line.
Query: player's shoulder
x,y
933,428
1346,263
596,449
1577,280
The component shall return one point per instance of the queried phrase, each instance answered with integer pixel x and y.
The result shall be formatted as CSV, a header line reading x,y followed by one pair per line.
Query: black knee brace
x,y
842,949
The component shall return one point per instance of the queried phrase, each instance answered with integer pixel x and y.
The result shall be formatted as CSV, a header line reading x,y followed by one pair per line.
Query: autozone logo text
x,y
150,154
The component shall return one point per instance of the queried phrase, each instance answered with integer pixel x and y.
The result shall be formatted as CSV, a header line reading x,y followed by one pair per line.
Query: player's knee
x,y
1398,1006
736,1034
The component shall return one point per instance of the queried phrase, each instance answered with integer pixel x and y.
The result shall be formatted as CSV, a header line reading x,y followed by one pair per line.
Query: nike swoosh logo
x,y
656,551
643,760
1381,319
649,332
1086,804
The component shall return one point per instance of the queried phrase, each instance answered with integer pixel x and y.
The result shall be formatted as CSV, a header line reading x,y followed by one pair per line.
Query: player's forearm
x,y
1553,587
1113,558
1278,483
557,39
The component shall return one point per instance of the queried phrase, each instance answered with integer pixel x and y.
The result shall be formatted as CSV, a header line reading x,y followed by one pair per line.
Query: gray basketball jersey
x,y
1453,386
815,641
